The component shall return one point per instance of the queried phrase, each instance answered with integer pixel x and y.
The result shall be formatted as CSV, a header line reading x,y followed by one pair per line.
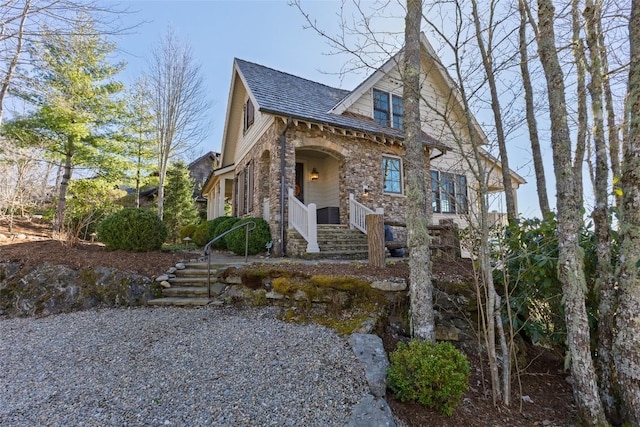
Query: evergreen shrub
x,y
222,227
258,238
188,231
435,375
131,229
206,231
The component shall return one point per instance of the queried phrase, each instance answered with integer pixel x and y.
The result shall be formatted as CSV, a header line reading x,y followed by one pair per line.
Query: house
x,y
199,171
299,153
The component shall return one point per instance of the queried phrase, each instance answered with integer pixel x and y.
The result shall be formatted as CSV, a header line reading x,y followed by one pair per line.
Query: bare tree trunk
x,y
604,281
8,76
418,210
581,94
538,165
614,141
570,257
627,340
487,62
58,223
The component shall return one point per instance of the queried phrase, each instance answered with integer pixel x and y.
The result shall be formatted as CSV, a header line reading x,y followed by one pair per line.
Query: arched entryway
x,y
317,180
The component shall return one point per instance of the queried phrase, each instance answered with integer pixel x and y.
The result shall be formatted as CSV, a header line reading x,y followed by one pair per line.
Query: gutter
x,y
283,143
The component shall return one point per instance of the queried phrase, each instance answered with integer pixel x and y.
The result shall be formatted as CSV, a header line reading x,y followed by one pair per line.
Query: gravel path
x,y
174,367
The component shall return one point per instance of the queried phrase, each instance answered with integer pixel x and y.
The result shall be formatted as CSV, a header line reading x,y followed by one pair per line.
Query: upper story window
x,y
392,175
249,114
449,193
388,109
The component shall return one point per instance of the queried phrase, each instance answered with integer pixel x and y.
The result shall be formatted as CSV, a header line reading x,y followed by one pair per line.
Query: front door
x,y
298,190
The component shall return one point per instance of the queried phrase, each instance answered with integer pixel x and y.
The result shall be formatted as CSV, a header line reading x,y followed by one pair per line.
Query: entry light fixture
x,y
314,175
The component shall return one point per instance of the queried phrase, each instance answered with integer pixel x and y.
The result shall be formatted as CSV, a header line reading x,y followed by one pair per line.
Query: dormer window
x,y
388,109
249,113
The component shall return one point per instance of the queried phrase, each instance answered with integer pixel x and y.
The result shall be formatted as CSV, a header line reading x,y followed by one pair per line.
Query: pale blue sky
x,y
267,32
271,33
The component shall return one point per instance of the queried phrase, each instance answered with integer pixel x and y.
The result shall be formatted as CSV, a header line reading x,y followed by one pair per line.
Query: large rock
x,y
371,412
370,352
50,289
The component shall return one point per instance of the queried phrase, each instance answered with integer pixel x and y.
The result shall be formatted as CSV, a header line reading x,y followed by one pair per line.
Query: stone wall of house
x,y
265,155
360,166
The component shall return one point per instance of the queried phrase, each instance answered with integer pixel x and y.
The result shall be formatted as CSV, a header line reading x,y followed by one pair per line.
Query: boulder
x,y
181,266
162,278
371,411
51,289
370,352
165,284
390,285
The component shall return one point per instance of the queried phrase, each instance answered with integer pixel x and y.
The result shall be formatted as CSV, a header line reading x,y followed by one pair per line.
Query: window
x,y
392,175
249,113
448,193
388,109
245,190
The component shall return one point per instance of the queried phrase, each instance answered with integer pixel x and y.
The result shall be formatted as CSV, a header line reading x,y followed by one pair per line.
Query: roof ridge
x,y
292,75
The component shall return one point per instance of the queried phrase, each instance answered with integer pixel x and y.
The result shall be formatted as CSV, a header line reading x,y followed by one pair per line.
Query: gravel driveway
x,y
175,367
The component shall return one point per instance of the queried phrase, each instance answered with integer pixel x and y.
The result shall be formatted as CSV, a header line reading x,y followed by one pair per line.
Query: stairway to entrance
x,y
188,286
334,241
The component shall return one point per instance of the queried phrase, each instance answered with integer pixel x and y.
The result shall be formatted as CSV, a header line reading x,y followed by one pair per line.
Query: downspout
x,y
283,144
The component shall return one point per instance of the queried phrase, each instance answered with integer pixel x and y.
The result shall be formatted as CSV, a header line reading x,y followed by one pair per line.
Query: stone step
x,y
186,291
187,273
182,302
193,280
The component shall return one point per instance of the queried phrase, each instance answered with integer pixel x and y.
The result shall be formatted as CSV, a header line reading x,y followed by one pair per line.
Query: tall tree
x,y
72,93
418,210
180,208
627,341
532,125
179,102
604,283
26,22
139,133
570,257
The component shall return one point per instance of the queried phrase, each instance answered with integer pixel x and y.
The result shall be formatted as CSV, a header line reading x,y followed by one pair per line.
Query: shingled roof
x,y
284,94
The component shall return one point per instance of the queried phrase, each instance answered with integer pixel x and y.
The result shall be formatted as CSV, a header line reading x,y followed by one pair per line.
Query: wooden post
x,y
375,235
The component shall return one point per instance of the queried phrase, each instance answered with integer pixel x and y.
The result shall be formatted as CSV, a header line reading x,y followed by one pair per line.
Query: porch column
x,y
221,194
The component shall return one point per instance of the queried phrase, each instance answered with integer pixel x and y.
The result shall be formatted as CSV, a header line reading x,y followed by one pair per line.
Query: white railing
x,y
358,213
265,209
305,221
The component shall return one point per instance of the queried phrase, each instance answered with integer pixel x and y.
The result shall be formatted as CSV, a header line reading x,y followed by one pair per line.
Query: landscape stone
x,y
233,280
274,295
3,236
162,278
165,284
172,270
370,352
447,333
371,411
181,266
217,288
21,236
390,285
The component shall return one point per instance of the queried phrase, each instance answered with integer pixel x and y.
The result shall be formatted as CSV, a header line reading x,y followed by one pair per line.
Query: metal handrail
x,y
250,226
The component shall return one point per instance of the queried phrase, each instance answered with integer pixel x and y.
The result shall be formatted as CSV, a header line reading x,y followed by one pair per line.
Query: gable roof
x,y
280,93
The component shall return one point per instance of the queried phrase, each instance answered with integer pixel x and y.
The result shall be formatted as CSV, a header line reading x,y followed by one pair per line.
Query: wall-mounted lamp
x,y
365,191
314,175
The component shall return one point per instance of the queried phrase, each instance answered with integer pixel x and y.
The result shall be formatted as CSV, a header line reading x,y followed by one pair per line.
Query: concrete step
x,y
181,302
186,291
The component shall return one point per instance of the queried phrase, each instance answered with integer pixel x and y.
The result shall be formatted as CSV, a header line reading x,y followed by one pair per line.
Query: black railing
x,y
250,226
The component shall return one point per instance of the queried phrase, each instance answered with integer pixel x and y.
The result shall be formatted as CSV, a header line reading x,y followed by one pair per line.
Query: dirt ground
x,y
542,394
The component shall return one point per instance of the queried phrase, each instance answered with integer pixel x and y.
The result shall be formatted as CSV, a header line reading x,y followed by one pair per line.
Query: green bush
x,y
435,375
187,231
222,227
535,293
258,238
131,229
206,231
